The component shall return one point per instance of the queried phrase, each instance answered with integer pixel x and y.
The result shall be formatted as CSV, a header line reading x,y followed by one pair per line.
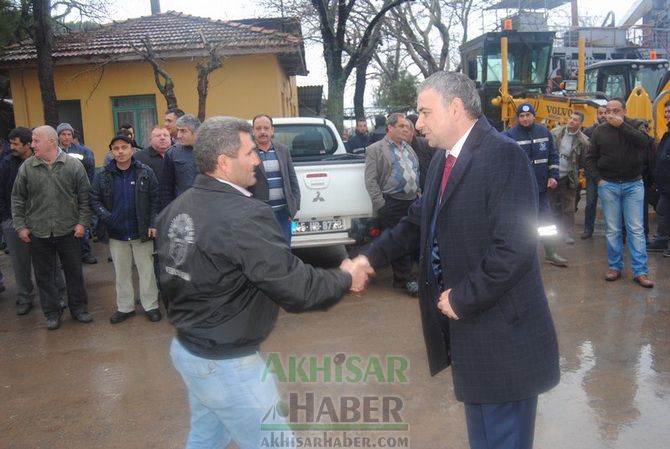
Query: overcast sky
x,y
242,9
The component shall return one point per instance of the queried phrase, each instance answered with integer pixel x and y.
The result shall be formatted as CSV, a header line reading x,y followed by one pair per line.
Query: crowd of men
x,y
619,163
51,198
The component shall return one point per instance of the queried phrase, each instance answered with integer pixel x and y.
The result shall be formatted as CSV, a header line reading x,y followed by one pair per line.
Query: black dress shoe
x,y
89,259
120,316
154,315
53,323
82,317
23,309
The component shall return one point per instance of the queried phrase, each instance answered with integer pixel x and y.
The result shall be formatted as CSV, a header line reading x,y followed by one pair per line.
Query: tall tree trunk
x,y
335,108
359,91
43,39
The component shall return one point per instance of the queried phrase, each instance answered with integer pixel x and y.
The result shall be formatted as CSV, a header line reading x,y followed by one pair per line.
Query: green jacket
x,y
580,146
51,200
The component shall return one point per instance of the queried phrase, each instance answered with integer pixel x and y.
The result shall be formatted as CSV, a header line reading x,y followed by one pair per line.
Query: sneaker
x,y
586,235
23,309
53,323
120,316
89,259
569,240
412,288
666,253
657,246
153,315
82,317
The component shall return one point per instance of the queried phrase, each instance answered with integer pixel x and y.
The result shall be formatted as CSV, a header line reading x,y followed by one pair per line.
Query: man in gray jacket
x,y
392,181
51,212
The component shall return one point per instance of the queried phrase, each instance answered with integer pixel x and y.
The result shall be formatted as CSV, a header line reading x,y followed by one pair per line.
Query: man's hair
x,y
126,126
393,119
380,120
159,127
253,121
176,111
621,101
361,119
666,104
452,85
412,118
24,135
579,114
188,121
218,135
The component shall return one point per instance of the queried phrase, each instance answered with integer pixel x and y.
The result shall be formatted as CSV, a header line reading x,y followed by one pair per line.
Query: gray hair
x,y
452,85
393,119
218,135
188,121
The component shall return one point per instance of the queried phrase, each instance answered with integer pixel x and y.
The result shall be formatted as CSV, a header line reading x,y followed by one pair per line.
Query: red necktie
x,y
448,165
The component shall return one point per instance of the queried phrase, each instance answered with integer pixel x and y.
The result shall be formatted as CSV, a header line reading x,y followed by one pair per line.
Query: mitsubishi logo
x,y
318,197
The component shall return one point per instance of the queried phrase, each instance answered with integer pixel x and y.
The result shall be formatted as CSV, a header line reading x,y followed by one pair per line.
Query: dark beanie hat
x,y
525,107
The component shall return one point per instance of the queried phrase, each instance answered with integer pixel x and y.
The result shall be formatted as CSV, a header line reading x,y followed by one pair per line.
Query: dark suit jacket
x,y
289,179
504,346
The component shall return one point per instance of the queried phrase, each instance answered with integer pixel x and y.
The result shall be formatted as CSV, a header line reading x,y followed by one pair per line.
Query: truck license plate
x,y
299,227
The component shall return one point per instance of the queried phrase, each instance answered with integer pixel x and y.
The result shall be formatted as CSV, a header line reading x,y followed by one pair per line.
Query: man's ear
x,y
223,162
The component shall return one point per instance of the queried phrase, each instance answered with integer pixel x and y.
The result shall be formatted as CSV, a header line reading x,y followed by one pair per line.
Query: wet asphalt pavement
x,y
103,386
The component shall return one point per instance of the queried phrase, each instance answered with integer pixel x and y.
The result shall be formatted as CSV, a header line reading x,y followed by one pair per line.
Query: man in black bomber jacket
x,y
225,269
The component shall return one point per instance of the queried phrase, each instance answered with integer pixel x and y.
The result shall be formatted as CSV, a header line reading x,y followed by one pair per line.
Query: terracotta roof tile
x,y
171,34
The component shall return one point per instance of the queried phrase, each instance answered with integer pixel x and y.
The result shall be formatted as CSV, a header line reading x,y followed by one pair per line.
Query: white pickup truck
x,y
335,208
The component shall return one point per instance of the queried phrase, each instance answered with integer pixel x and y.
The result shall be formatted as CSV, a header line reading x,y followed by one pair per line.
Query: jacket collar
x,y
61,158
207,182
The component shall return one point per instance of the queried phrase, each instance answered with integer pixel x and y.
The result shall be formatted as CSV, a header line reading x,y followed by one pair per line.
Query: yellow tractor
x,y
512,67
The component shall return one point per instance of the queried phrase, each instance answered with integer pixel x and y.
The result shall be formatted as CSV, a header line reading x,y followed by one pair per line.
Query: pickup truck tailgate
x,y
333,189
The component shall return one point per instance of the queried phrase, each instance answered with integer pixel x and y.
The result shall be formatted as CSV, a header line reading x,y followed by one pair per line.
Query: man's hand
x,y
152,232
79,231
360,271
445,306
614,120
552,183
24,235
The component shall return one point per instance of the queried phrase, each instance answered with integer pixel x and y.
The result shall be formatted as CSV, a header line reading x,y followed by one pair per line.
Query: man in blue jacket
x,y
538,144
125,197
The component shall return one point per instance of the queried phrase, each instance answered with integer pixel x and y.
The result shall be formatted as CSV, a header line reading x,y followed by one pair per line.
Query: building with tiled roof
x,y
102,80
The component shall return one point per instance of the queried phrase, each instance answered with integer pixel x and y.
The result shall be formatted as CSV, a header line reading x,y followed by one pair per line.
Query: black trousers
x,y
44,252
389,215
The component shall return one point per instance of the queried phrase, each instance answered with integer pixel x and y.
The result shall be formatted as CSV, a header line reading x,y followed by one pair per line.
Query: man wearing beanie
x,y
538,144
85,156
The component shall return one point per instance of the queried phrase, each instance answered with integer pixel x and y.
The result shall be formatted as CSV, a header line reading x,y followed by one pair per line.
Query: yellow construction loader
x,y
512,67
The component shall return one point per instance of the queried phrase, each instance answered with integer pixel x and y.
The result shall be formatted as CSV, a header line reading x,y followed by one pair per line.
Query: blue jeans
x,y
624,199
591,204
228,398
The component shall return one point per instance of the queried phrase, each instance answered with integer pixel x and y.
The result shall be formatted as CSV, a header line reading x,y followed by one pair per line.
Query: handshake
x,y
360,270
